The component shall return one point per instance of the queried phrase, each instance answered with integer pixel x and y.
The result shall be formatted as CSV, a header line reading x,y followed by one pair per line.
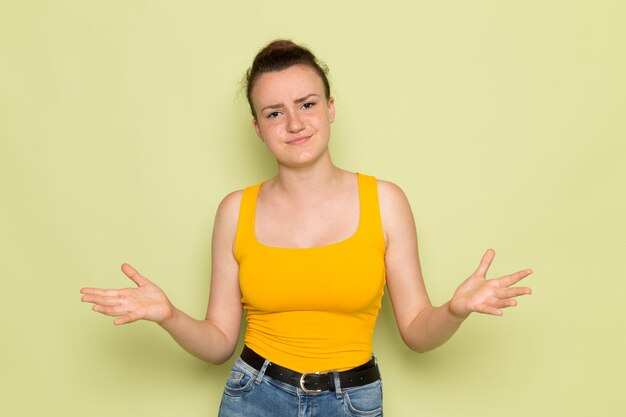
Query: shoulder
x,y
390,194
395,210
227,214
230,203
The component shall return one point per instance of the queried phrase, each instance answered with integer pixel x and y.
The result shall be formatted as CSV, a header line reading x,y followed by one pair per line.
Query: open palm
x,y
488,296
145,302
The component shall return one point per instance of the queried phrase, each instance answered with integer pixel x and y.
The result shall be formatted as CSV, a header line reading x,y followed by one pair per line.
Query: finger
x,y
508,302
487,309
485,263
128,318
114,311
100,292
132,273
101,300
508,280
512,292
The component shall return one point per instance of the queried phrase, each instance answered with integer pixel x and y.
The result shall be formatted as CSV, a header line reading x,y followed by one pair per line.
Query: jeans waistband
x,y
314,381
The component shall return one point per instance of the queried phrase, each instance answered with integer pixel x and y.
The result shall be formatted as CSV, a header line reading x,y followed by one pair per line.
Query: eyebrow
x,y
297,101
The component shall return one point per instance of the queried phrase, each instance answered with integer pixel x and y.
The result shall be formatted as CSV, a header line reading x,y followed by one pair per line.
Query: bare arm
x,y
422,326
213,339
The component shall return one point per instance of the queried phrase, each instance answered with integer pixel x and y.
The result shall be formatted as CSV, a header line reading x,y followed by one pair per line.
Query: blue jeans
x,y
250,393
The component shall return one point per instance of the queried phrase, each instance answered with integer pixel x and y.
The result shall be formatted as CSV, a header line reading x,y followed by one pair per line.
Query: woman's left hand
x,y
488,296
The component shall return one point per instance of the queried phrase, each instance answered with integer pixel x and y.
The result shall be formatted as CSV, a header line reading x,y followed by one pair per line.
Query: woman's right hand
x,y
146,302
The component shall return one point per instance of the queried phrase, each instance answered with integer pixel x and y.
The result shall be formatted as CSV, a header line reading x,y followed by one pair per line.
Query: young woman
x,y
307,254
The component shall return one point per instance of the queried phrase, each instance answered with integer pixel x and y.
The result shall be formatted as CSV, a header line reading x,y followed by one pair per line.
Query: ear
x,y
257,129
331,109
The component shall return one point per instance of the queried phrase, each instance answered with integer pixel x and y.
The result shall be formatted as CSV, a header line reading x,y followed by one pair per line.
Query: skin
x,y
319,200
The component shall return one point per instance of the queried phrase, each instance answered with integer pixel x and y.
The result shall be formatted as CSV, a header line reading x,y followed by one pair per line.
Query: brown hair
x,y
279,55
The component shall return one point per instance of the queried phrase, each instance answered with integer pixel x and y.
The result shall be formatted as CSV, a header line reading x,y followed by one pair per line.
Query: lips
x,y
299,140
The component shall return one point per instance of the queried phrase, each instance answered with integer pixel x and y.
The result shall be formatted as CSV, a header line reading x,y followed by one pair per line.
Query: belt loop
x,y
259,377
338,391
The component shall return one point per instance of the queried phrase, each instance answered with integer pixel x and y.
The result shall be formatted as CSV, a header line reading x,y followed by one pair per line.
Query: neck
x,y
308,179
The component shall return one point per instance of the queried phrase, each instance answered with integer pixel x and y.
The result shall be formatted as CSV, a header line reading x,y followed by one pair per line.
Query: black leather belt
x,y
314,381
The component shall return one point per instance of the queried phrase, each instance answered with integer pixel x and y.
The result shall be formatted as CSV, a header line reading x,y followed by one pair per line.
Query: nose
x,y
294,123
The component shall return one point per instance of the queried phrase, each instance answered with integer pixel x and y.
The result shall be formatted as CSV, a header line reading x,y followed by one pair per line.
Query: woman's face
x,y
293,116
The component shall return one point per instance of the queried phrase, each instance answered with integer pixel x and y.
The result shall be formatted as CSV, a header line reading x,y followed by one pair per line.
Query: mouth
x,y
299,140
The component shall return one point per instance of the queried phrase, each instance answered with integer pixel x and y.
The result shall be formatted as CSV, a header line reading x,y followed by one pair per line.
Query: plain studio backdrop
x,y
122,127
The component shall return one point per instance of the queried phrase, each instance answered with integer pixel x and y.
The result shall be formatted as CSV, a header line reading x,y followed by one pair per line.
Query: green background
x,y
122,127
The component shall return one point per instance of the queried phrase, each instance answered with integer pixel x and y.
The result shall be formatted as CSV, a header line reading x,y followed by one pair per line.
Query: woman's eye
x,y
272,115
308,105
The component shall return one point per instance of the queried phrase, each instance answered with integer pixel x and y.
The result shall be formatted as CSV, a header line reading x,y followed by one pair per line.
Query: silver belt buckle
x,y
308,391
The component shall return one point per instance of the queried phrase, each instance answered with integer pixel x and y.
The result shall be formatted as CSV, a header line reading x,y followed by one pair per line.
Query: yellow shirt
x,y
313,309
